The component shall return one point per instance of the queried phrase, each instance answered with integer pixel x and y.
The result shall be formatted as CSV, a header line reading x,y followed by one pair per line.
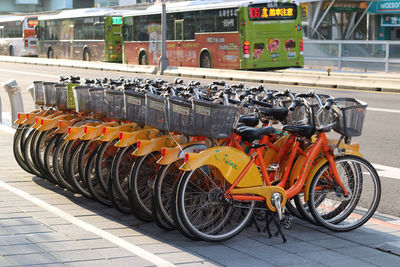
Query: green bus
x,y
255,34
83,34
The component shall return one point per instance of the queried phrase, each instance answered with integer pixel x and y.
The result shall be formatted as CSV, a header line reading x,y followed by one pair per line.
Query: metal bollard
x,y
14,93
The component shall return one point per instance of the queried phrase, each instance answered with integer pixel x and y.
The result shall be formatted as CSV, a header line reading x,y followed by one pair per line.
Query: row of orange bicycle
x,y
205,160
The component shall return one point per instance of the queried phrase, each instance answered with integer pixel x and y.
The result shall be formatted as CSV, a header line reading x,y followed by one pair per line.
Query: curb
x,y
370,82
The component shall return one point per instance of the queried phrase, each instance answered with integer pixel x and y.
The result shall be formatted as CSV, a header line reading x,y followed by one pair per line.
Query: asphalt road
x,y
379,143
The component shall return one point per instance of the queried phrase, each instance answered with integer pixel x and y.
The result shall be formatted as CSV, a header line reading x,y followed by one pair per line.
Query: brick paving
x,y
32,235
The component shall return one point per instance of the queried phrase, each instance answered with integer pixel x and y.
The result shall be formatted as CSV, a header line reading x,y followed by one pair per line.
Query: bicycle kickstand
x,y
277,224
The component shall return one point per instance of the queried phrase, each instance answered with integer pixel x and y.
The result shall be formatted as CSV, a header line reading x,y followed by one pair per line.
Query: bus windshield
x,y
32,22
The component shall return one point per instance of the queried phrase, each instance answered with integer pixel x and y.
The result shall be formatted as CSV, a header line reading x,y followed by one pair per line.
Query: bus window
x,y
207,20
98,28
1,31
127,29
83,29
178,29
191,25
226,20
52,30
139,30
13,29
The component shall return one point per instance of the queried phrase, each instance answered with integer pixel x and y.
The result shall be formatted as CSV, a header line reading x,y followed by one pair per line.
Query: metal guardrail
x,y
359,55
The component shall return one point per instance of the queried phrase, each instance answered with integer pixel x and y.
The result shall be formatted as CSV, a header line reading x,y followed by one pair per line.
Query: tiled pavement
x,y
32,235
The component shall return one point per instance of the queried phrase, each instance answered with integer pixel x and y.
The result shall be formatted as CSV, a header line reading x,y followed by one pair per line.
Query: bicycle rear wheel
x,y
204,209
336,211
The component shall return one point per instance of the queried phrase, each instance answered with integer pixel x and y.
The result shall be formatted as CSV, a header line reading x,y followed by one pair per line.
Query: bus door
x,y
179,38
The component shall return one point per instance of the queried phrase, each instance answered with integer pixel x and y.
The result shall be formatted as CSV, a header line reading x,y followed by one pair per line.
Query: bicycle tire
x,y
223,218
166,177
41,145
58,166
92,183
48,156
116,199
17,149
119,179
357,183
141,180
27,153
72,152
175,214
103,164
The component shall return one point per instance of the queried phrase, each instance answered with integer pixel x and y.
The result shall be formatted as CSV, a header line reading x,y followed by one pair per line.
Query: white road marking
x,y
384,110
88,227
31,73
6,128
386,171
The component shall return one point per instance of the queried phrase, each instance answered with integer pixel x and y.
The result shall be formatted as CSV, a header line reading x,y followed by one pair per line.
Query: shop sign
x,y
390,21
385,7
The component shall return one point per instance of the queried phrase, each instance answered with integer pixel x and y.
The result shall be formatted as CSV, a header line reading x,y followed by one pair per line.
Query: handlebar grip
x,y
328,103
178,81
233,101
294,105
302,95
261,103
222,83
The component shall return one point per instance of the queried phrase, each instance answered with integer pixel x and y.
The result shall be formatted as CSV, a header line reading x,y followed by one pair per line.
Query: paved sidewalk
x,y
42,224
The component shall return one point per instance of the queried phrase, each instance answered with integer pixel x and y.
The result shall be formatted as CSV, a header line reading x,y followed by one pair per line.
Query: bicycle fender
x,y
50,123
74,132
31,117
112,132
130,138
174,153
229,161
156,144
352,149
64,124
39,119
93,131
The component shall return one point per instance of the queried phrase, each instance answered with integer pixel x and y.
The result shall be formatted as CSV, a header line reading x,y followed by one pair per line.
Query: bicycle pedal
x,y
286,222
273,167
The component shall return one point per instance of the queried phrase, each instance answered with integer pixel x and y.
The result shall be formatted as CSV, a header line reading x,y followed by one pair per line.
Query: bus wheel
x,y
205,60
50,53
143,58
86,55
11,51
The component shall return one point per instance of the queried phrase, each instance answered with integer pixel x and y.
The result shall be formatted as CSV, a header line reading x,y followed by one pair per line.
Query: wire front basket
x,y
97,103
114,101
49,94
38,93
350,119
135,108
156,111
214,120
61,97
180,117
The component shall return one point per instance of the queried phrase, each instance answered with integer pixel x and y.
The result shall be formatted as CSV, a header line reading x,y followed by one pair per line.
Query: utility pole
x,y
163,63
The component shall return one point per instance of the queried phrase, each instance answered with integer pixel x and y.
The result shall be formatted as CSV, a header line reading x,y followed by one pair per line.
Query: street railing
x,y
358,55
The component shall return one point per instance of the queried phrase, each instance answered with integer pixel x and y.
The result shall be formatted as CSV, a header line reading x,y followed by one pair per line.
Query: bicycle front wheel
x,y
331,207
204,209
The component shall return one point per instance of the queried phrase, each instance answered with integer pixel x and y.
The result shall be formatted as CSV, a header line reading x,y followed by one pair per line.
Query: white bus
x,y
17,36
